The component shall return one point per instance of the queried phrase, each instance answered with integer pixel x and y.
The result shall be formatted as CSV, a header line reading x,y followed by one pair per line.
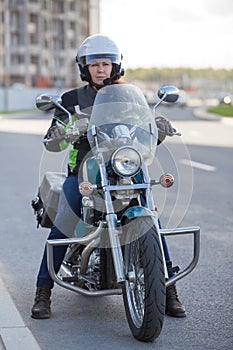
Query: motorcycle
x,y
117,246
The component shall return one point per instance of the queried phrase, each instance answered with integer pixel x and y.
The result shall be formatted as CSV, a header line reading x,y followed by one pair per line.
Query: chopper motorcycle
x,y
116,248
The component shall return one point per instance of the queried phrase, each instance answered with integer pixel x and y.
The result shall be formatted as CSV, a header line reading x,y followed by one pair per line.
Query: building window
x,y
17,59
33,29
72,5
58,6
34,59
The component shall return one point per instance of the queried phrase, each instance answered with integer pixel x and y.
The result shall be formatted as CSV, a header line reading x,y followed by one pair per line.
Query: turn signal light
x,y
86,188
166,180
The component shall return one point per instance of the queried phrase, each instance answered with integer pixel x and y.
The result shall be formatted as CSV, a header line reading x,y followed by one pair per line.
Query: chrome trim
x,y
127,187
196,250
86,253
50,261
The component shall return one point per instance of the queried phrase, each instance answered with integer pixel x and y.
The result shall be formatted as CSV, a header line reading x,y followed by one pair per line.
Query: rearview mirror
x,y
168,93
47,102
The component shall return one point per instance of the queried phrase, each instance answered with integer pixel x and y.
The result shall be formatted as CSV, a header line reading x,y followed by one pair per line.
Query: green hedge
x,y
224,110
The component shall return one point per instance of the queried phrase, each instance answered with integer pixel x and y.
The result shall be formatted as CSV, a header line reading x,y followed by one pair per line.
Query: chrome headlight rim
x,y
135,168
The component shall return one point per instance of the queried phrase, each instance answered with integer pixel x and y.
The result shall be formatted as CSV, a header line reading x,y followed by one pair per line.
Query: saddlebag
x,y
46,202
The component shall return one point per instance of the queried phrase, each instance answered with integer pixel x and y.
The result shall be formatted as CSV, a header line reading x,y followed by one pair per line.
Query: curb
x,y
14,335
201,113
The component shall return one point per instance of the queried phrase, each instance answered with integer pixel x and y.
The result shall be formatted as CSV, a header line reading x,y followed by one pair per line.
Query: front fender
x,y
135,212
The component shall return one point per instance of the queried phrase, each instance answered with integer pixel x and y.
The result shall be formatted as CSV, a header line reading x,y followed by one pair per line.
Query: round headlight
x,y
126,161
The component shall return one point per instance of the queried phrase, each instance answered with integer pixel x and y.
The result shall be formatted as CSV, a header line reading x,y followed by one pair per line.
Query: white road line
x,y
198,165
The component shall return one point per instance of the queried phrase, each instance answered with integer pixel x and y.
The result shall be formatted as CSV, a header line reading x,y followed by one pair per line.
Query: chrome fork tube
x,y
111,220
115,247
151,205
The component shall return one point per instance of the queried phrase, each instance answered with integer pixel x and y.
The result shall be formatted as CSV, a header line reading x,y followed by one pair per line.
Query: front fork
x,y
111,220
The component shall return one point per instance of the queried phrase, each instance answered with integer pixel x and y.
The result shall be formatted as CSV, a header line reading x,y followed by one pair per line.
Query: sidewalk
x,y
14,335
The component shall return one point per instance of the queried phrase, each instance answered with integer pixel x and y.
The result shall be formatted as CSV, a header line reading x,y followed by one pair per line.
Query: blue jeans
x,y
65,223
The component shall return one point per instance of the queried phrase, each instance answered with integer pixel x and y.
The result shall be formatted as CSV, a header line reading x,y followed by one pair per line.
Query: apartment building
x,y
39,40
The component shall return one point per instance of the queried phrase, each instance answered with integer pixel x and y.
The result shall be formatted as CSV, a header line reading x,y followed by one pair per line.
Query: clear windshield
x,y
121,116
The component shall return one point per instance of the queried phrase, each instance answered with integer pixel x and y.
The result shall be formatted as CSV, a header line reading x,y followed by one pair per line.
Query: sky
x,y
170,33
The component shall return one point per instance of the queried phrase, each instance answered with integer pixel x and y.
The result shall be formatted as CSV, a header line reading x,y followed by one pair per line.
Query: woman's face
x,y
100,69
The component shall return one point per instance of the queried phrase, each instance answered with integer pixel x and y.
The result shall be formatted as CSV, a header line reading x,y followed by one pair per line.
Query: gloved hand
x,y
56,132
55,135
80,129
164,126
82,125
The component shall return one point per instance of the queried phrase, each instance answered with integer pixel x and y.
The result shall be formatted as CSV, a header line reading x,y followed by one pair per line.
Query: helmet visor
x,y
92,59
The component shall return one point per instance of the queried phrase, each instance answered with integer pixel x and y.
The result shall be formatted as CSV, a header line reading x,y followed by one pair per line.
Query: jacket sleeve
x,y
161,137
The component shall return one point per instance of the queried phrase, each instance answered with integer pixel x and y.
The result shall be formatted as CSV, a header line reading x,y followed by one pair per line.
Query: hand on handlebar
x,y
56,132
165,127
78,129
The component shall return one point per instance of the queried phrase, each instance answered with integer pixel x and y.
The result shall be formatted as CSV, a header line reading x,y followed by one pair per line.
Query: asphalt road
x,y
204,198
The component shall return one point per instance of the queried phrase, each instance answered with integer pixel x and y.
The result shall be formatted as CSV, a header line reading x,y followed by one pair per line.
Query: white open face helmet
x,y
96,47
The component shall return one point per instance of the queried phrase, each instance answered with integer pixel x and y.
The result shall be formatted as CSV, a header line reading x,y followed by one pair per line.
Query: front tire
x,y
144,289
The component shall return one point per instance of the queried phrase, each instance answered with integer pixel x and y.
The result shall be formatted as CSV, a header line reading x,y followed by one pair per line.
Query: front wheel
x,y
144,289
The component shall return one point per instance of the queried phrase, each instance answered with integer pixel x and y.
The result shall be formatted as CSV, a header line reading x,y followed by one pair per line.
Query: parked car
x,y
226,100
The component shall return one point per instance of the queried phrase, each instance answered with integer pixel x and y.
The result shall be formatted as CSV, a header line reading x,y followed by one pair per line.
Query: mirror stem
x,y
67,112
159,102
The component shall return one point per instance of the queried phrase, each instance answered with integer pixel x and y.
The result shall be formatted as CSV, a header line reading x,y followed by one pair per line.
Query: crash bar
x,y
195,230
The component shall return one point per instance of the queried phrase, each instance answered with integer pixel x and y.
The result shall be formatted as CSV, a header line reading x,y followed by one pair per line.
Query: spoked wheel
x,y
144,289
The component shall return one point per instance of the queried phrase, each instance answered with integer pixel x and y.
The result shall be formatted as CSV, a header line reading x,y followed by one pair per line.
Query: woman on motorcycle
x,y
99,62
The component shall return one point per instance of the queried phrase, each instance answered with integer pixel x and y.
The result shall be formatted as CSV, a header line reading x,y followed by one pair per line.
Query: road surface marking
x,y
198,165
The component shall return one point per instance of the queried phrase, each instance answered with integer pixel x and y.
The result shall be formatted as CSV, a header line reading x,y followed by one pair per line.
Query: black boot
x,y
174,307
41,307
